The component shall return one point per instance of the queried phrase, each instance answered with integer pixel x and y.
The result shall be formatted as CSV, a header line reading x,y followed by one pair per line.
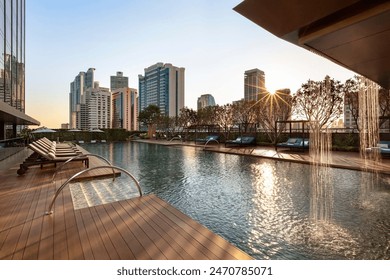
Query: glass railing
x,y
10,147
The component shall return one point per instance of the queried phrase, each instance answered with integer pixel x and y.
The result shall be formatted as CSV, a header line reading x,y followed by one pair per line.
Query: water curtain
x,y
321,202
368,133
368,118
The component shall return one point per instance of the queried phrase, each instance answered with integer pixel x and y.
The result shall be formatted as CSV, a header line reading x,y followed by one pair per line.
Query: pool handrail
x,y
50,211
82,155
210,141
176,138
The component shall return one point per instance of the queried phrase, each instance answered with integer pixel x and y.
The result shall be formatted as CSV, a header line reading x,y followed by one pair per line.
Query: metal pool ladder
x,y
110,166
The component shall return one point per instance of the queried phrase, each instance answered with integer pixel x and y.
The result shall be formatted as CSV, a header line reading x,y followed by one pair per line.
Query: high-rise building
x,y
283,100
12,69
125,108
349,120
205,100
162,85
64,126
118,81
96,111
254,84
78,87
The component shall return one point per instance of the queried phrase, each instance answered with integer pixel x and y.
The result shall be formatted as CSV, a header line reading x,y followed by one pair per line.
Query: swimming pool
x,y
262,206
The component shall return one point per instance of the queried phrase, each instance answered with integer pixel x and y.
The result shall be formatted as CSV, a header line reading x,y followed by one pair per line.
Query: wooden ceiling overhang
x,y
354,34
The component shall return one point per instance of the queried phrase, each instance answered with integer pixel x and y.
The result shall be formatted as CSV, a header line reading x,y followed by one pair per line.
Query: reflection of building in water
x,y
12,72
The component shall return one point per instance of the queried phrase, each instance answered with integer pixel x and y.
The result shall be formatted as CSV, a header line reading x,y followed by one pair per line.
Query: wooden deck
x,y
140,228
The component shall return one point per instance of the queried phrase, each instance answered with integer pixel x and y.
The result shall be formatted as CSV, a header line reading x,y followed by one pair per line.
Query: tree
x,y
384,106
272,108
351,101
320,102
224,117
187,117
245,114
150,116
207,116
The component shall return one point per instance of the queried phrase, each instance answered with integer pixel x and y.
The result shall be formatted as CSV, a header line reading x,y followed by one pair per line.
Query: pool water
x,y
261,205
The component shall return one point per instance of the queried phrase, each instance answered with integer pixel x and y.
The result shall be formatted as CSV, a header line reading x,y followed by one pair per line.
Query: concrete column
x,y
2,130
14,126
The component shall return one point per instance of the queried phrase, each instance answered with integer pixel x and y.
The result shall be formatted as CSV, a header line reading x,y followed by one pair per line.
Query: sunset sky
x,y
212,42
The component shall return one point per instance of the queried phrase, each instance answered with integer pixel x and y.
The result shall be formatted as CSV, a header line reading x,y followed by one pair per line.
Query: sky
x,y
214,44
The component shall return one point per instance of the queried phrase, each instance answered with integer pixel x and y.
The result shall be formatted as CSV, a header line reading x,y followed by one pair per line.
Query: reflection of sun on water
x,y
264,216
273,219
265,178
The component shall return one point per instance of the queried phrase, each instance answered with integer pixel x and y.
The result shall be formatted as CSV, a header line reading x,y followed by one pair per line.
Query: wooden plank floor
x,y
139,228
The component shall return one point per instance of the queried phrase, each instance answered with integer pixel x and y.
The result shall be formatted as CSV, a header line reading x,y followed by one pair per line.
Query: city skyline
x,y
211,41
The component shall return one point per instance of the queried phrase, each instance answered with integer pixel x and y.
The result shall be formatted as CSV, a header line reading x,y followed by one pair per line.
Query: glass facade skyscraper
x,y
125,108
205,100
12,67
78,87
254,84
162,85
12,29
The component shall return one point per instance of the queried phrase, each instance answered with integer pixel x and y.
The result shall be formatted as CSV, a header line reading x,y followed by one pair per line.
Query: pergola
x,y
305,129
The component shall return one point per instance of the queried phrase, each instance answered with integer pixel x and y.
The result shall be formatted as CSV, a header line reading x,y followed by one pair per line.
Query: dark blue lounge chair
x,y
242,141
384,148
209,138
294,143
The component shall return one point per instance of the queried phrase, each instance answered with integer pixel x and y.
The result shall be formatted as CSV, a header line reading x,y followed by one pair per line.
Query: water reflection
x,y
264,206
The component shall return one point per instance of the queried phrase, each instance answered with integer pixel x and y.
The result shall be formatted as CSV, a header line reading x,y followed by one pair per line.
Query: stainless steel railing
x,y
50,211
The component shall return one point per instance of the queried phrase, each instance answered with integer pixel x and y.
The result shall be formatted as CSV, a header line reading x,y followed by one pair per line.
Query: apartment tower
x,y
205,100
78,87
125,108
118,81
162,85
96,111
254,84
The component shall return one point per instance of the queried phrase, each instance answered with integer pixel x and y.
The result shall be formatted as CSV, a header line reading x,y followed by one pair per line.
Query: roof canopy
x,y
9,114
354,34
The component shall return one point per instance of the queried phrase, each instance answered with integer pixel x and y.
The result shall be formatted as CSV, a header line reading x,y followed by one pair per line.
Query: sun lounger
x,y
383,147
294,143
207,139
46,144
242,141
42,156
52,149
58,145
